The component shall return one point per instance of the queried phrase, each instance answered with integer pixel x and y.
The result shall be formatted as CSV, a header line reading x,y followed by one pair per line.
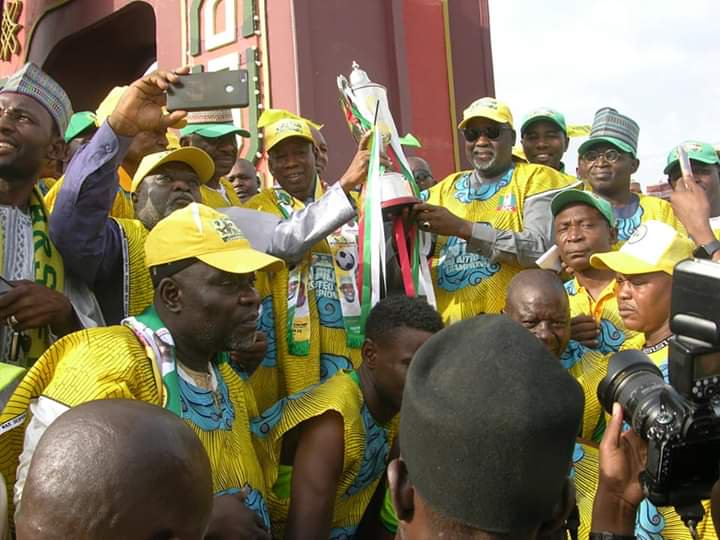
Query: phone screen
x,y
684,160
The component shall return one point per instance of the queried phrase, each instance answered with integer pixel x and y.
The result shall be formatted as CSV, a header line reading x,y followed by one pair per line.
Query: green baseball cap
x,y
80,122
544,114
569,196
213,131
697,151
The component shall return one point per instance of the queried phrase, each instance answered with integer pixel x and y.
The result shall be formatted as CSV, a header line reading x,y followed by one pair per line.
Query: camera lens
x,y
635,382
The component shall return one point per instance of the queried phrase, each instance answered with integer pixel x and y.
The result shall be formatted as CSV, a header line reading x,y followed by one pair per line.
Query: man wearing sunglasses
x,y
696,200
491,221
607,160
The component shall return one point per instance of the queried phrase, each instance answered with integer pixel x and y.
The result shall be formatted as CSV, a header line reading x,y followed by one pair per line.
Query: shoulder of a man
x,y
444,187
533,179
264,201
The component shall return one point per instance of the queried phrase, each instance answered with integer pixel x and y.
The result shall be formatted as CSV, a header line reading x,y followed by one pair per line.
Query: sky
x,y
657,62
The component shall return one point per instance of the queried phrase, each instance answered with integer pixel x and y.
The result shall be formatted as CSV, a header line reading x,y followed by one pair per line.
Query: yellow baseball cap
x,y
200,162
489,108
200,232
653,247
279,124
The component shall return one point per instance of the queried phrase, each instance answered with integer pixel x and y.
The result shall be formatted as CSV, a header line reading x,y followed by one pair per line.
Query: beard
x,y
239,340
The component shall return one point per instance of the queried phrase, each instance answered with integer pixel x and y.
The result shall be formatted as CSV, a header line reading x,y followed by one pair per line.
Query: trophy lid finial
x,y
358,77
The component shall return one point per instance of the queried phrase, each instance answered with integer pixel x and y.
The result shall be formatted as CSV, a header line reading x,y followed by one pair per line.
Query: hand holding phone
x,y
209,91
685,167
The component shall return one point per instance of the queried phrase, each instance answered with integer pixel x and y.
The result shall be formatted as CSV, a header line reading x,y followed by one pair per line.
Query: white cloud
x,y
652,60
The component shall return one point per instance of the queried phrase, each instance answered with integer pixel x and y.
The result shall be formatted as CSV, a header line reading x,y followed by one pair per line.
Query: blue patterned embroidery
x,y
578,454
573,354
330,312
253,500
198,405
609,341
627,226
330,364
571,287
266,324
465,193
424,195
458,269
342,533
269,419
375,454
649,523
665,373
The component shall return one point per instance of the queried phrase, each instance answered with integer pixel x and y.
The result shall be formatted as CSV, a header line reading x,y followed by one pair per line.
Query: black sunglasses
x,y
490,132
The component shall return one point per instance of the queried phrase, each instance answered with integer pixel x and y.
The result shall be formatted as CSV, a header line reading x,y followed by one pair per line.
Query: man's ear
x,y
567,142
402,491
57,149
185,141
369,353
170,295
613,235
635,165
563,510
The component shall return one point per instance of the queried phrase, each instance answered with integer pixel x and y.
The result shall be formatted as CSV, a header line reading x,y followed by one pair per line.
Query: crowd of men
x,y
180,351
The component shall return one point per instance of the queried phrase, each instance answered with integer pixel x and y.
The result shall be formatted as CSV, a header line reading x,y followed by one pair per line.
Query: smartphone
x,y
209,91
684,161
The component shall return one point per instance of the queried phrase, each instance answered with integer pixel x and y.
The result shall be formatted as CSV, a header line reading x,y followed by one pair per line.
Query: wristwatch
x,y
706,251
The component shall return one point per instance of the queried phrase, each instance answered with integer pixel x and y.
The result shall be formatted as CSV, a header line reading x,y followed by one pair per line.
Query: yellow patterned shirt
x,y
122,207
215,199
589,366
138,290
282,373
367,447
110,363
649,208
467,282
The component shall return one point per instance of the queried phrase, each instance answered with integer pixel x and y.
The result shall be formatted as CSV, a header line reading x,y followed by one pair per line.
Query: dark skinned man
x,y
214,132
643,268
42,302
323,436
484,397
203,268
608,160
117,469
143,143
313,329
421,172
244,179
491,221
321,146
696,200
585,225
544,138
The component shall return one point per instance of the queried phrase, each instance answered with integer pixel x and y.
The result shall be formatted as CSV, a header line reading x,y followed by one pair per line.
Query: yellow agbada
x,y
367,447
111,363
214,199
138,289
467,284
281,373
589,366
122,207
650,208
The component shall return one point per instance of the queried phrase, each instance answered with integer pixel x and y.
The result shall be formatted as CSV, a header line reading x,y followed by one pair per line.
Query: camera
x,y
681,420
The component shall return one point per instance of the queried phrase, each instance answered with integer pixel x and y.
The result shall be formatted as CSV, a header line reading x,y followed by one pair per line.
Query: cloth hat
x,y
612,127
107,106
653,247
279,125
200,232
544,114
198,159
488,424
569,196
79,122
33,82
489,108
213,131
696,150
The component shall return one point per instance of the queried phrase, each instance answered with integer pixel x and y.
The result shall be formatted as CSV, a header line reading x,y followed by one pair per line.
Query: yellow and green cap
x,y
79,122
544,114
200,232
489,108
196,158
697,151
570,196
279,124
653,247
213,131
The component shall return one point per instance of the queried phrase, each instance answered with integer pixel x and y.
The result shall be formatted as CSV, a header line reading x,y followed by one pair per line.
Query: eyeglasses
x,y
610,155
490,132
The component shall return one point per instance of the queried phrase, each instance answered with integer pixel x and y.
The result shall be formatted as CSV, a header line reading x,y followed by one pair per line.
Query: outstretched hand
x,y
356,173
691,206
141,106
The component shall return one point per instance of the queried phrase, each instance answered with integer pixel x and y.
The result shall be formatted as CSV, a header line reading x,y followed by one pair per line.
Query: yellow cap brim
x,y
622,263
197,159
271,142
242,261
488,113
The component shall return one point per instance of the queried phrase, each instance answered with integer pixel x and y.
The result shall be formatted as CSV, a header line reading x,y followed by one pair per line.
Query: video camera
x,y
681,420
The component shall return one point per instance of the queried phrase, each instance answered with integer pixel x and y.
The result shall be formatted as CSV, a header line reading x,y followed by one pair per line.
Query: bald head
x,y
421,172
117,469
537,300
321,146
